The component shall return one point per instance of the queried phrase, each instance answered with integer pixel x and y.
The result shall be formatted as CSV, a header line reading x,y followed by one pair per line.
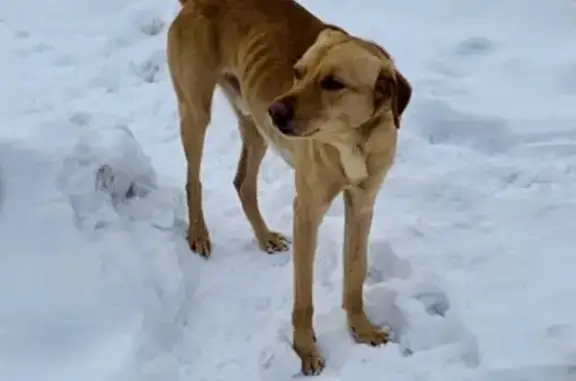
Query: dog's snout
x,y
282,113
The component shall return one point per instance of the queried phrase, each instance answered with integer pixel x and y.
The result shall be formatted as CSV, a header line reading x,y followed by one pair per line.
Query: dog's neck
x,y
353,162
354,151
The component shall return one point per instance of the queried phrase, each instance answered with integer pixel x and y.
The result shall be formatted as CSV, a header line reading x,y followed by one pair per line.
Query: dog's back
x,y
258,40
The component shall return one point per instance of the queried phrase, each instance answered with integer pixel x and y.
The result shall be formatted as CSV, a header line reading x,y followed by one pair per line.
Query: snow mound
x,y
116,275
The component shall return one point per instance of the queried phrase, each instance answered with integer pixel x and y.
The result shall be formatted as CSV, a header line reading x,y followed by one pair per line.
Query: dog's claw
x,y
274,242
312,365
365,332
307,350
200,245
375,337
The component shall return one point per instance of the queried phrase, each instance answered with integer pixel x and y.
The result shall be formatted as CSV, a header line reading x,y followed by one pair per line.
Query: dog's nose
x,y
282,113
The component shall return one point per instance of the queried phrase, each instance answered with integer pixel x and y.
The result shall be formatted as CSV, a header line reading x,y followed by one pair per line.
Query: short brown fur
x,y
264,52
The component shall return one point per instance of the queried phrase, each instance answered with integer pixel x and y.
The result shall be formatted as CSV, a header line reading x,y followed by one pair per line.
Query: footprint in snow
x,y
149,69
474,46
384,264
148,23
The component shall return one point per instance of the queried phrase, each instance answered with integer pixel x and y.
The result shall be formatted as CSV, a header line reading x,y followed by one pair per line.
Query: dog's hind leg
x,y
246,180
246,184
194,79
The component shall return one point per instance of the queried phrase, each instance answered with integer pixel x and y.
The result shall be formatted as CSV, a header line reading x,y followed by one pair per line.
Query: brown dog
x,y
329,102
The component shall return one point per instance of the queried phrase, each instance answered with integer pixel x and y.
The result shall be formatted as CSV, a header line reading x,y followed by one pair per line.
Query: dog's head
x,y
340,83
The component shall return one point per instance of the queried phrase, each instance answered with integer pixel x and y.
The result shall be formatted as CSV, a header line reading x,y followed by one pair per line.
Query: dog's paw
x,y
365,332
306,348
200,244
312,364
273,242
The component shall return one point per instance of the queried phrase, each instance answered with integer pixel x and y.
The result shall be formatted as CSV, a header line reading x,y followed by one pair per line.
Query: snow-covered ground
x,y
473,250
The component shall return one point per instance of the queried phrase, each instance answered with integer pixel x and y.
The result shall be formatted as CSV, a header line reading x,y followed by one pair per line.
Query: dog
x,y
330,103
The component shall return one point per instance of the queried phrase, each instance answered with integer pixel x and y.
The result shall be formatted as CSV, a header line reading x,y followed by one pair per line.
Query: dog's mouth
x,y
289,133
297,129
294,133
309,134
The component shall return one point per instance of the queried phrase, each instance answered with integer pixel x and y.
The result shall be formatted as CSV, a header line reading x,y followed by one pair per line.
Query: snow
x,y
471,255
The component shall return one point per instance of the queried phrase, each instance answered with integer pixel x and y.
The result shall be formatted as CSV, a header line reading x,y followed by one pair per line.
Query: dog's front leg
x,y
309,207
359,210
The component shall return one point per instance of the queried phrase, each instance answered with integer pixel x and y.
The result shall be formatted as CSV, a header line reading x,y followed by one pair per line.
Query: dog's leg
x,y
246,183
309,208
306,223
359,209
193,130
194,81
246,180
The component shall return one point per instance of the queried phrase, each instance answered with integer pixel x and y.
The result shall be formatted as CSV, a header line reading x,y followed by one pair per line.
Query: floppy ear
x,y
398,89
384,89
403,95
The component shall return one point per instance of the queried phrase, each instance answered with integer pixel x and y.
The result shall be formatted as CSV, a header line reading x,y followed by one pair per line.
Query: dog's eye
x,y
330,83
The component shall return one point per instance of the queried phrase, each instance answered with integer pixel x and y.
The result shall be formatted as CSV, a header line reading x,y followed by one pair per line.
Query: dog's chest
x,y
284,154
276,141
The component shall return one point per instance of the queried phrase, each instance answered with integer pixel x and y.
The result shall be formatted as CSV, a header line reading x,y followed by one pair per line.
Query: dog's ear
x,y
394,87
384,90
403,96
